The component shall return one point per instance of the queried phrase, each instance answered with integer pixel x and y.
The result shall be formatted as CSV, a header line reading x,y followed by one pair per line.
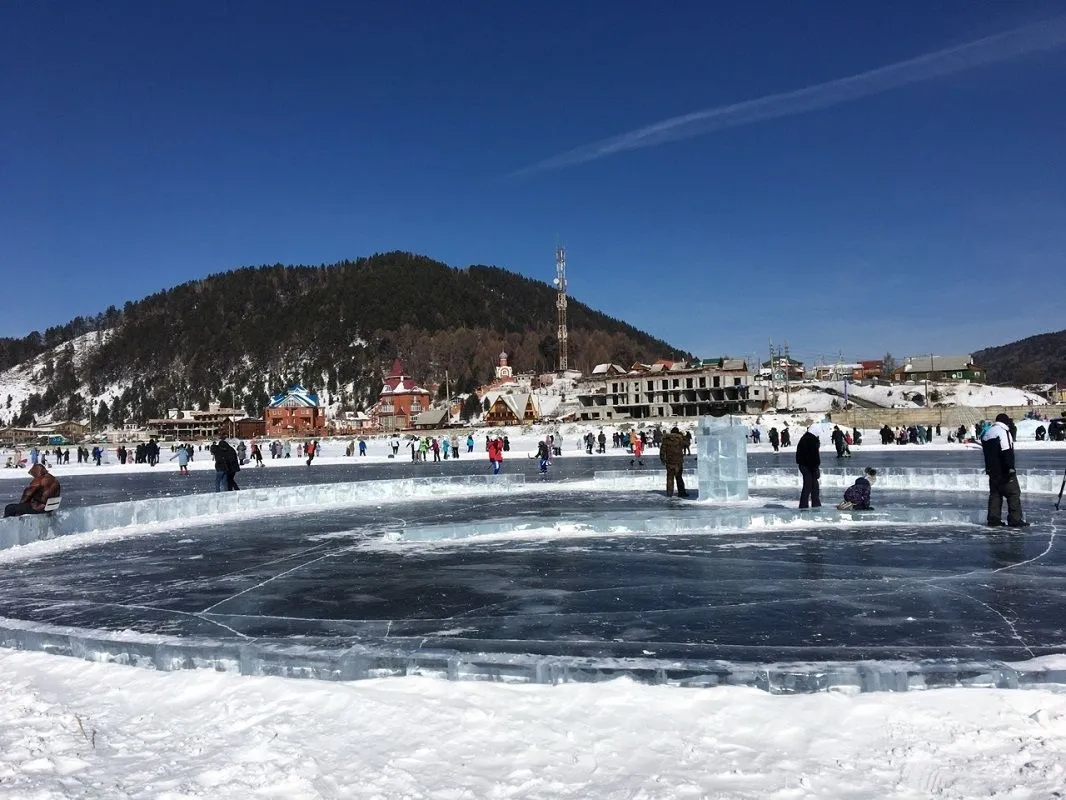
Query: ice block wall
x,y
722,459
207,507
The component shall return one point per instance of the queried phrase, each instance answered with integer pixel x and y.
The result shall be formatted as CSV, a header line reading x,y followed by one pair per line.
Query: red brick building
x,y
295,413
400,400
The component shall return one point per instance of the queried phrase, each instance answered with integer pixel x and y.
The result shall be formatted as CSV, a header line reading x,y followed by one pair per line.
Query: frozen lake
x,y
164,480
572,577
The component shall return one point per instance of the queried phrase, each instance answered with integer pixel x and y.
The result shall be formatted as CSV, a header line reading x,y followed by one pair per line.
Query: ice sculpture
x,y
722,459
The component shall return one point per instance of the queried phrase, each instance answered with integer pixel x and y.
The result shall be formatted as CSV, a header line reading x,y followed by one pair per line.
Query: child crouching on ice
x,y
857,496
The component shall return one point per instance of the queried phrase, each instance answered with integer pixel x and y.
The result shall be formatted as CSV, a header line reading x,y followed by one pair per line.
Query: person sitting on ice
x,y
36,495
857,496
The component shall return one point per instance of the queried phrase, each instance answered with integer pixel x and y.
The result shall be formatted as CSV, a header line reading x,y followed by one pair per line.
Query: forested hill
x,y
239,336
1036,359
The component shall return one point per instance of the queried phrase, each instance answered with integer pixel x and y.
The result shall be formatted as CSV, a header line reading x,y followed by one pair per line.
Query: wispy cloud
x,y
998,47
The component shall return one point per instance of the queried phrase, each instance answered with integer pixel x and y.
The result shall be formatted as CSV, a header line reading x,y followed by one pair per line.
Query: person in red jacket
x,y
496,454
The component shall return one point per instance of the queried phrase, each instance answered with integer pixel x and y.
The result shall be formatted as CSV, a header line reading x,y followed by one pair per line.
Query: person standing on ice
x,y
809,462
775,441
838,441
455,446
786,437
672,455
544,455
638,452
495,448
226,465
997,444
182,454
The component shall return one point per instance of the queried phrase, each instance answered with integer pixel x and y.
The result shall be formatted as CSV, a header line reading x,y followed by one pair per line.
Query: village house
x,y
509,399
250,428
348,423
960,369
782,369
400,400
670,389
296,412
513,409
47,433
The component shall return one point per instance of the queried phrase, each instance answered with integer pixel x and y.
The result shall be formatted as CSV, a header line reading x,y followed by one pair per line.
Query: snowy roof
x,y
607,369
398,383
434,416
296,396
937,364
517,403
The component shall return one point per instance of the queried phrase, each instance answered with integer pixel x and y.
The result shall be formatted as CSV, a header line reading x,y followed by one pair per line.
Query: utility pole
x,y
560,304
788,369
773,367
930,372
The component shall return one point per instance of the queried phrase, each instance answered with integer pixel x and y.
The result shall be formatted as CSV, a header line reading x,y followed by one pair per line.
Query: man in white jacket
x,y
998,446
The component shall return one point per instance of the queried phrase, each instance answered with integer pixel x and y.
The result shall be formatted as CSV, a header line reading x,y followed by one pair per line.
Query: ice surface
x,y
722,459
908,478
549,582
715,519
190,508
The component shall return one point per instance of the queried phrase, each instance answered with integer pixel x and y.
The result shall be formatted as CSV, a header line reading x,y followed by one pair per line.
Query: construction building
x,y
670,389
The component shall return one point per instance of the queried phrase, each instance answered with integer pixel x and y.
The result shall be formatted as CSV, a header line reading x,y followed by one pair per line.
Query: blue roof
x,y
295,396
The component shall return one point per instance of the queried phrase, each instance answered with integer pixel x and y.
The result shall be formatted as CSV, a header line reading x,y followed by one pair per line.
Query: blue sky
x,y
146,144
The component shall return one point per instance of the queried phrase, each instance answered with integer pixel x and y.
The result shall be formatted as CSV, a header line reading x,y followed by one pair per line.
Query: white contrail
x,y
998,47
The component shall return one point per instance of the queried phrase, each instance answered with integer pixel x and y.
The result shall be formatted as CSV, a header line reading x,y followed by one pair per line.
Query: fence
x,y
947,417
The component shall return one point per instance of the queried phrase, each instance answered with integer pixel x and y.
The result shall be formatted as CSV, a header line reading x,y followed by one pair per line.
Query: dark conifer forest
x,y
240,336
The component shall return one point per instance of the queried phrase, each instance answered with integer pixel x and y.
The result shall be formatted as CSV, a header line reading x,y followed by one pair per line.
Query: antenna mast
x,y
560,303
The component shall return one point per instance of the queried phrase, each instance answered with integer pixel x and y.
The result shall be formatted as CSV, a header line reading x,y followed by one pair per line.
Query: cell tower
x,y
560,302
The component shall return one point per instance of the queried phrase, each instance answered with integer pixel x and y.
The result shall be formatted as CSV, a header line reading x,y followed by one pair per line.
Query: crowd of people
x,y
996,439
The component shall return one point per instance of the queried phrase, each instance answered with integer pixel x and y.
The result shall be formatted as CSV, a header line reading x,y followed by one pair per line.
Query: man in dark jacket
x,y
998,447
227,465
838,440
809,462
672,454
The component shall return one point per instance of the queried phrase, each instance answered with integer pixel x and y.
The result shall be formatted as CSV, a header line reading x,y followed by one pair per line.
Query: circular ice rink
x,y
586,574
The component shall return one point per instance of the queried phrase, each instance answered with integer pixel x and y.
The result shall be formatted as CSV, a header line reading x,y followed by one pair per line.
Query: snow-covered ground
x,y
523,441
812,395
72,729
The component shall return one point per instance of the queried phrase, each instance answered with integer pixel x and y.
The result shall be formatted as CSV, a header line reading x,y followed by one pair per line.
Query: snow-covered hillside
x,y
818,396
22,380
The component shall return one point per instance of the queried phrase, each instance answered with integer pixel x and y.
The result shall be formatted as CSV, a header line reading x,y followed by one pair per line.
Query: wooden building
x,y
400,400
295,413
